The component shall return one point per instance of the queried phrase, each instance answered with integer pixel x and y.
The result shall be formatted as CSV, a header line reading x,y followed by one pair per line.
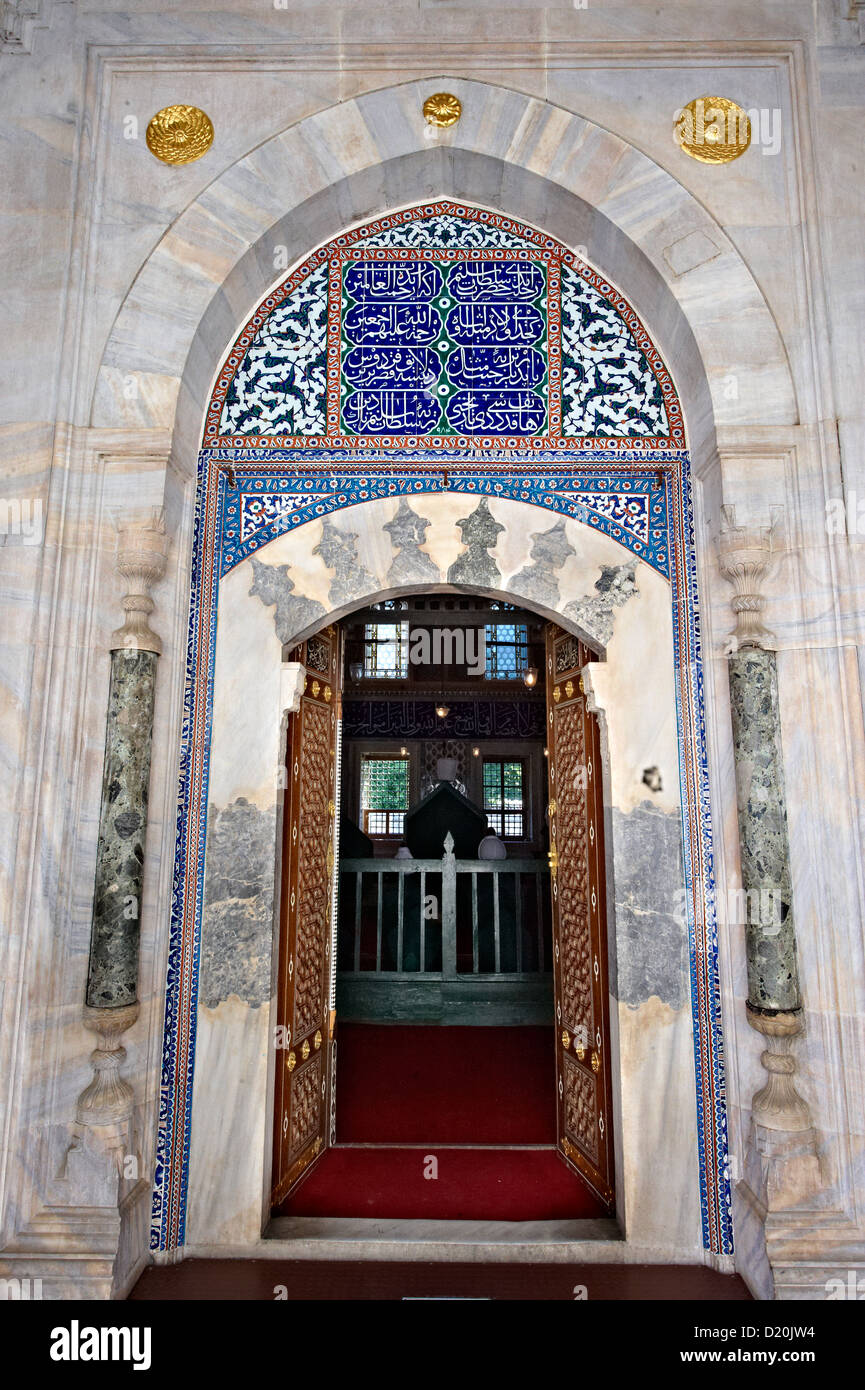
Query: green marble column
x,y
111,998
782,1166
112,980
773,976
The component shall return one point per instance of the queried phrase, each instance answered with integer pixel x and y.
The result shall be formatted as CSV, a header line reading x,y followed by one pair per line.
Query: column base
x,y
85,1236
783,1167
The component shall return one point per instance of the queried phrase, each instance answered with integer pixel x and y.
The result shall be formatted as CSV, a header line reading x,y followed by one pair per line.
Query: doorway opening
x,y
443,851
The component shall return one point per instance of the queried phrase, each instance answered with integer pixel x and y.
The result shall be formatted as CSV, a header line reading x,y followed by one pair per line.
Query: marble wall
x,y
127,279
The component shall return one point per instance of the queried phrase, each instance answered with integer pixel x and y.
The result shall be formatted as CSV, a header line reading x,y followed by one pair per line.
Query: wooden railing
x,y
444,938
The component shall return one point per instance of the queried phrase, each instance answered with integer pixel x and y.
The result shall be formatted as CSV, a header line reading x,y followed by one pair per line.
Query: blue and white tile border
x,y
214,551
628,502
250,491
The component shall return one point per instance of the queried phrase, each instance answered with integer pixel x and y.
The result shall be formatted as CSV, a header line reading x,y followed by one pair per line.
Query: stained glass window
x,y
384,795
503,797
507,651
385,650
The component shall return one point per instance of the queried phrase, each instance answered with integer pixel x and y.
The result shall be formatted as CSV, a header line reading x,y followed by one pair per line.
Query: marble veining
x,y
237,930
651,935
411,563
773,974
480,532
550,549
595,612
275,587
338,550
113,972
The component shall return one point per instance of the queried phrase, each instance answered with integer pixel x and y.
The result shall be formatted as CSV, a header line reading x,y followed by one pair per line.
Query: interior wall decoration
x,y
431,751
443,348
465,719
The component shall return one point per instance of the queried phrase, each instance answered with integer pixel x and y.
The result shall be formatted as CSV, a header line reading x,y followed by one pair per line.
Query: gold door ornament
x,y
179,134
714,130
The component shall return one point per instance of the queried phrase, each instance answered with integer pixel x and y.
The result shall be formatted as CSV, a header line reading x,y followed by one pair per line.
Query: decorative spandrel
x,y
277,386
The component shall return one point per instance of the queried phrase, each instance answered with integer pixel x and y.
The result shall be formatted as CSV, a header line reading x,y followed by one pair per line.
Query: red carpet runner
x,y
424,1087
398,1084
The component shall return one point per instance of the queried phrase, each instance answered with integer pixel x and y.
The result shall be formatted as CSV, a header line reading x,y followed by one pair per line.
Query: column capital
x,y
142,554
745,554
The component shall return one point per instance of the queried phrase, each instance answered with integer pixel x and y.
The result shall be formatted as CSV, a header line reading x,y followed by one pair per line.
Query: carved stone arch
x,y
287,588
509,152
342,167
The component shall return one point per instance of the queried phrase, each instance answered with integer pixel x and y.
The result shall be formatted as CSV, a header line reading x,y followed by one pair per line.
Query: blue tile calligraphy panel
x,y
453,347
411,282
416,367
479,282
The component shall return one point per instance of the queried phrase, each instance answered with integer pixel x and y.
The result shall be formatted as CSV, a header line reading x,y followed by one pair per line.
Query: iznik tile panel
x,y
608,387
618,495
279,387
444,346
445,329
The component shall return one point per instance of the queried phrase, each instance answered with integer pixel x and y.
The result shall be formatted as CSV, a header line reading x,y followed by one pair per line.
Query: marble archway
x,y
677,305
318,571
314,521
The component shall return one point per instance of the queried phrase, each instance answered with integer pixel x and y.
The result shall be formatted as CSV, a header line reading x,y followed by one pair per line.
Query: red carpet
x,y
472,1184
231,1281
403,1084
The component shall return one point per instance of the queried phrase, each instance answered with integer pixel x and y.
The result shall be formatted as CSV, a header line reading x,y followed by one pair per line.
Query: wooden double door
x,y
305,1019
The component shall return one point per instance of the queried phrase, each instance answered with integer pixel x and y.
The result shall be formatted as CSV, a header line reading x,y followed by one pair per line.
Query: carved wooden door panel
x,y
577,874
304,1025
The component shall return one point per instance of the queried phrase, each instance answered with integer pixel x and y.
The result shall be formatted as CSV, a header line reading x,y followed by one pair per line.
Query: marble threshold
x,y
595,1241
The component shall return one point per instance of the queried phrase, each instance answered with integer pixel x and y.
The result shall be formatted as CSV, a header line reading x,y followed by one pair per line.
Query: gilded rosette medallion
x,y
714,130
179,134
442,109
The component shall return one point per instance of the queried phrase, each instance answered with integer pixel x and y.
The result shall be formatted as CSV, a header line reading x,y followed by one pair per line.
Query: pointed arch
x,y
514,153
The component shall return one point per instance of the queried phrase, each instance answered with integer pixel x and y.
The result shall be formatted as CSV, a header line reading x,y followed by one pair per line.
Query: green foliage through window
x,y
384,795
503,797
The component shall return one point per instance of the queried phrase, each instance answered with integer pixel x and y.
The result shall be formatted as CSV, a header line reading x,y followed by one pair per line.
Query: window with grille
x,y
384,795
507,651
385,650
503,798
